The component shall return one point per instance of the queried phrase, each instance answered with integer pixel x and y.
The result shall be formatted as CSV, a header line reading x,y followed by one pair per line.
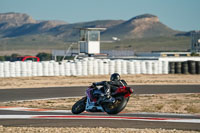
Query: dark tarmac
x,y
56,92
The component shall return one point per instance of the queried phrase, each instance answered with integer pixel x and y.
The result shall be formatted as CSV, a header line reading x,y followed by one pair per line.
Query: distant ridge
x,y
141,26
16,19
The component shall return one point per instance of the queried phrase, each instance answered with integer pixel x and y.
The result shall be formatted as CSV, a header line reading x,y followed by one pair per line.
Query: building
x,y
195,41
90,40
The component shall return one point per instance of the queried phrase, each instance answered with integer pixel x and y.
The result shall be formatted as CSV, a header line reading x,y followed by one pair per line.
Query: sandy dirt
x,y
61,81
162,103
86,130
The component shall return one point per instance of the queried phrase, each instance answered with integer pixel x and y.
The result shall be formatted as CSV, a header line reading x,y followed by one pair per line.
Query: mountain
x,y
9,21
33,28
142,26
70,32
18,24
16,19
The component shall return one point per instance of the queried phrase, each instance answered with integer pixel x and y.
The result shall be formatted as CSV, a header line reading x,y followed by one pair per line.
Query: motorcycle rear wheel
x,y
79,106
117,106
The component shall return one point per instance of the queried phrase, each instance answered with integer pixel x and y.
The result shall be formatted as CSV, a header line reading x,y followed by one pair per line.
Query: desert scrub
x,y
158,107
164,103
85,130
192,109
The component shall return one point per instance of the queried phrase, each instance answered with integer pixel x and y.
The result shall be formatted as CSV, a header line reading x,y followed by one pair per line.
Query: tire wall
x,y
91,66
87,66
185,67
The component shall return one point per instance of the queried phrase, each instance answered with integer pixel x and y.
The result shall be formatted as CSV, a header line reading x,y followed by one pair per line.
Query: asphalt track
x,y
67,119
56,92
122,120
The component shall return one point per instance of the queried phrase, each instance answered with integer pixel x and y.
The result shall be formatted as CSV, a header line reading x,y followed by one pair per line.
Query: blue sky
x,y
177,14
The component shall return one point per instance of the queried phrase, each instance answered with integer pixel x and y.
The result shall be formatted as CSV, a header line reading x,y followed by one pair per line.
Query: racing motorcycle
x,y
96,101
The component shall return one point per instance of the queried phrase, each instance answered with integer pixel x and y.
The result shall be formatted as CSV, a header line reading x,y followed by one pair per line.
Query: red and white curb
x,y
86,116
33,109
78,117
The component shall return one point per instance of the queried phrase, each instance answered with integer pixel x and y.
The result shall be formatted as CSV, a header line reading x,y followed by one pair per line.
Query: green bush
x,y
2,58
44,56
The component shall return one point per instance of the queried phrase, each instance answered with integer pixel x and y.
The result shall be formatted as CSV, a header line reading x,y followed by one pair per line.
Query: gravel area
x,y
61,81
162,103
86,130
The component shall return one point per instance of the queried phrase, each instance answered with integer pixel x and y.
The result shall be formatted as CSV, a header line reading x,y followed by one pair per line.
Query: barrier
x,y
1,69
130,67
78,68
84,68
149,67
198,67
73,69
192,67
106,66
186,67
111,66
124,67
91,66
67,69
172,67
178,67
118,66
165,67
137,67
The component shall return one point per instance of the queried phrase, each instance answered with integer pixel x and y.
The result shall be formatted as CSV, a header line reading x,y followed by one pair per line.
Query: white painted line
x,y
69,111
58,111
16,116
34,110
164,114
98,117
15,108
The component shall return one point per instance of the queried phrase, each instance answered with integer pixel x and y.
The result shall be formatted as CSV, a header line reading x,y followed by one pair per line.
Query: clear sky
x,y
178,14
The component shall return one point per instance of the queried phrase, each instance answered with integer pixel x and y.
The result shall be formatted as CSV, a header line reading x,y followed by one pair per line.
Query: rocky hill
x,y
16,19
70,33
142,26
18,24
33,28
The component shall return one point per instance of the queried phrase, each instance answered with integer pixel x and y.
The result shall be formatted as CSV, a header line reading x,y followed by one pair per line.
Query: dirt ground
x,y
61,81
162,103
86,130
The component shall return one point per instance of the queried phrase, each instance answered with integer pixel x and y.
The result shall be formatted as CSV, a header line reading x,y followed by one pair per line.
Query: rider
x,y
113,84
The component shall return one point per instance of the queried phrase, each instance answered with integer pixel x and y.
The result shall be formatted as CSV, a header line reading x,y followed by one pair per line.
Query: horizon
x,y
179,15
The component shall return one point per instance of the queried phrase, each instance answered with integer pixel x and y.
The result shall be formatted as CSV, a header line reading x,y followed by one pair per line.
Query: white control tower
x,y
90,40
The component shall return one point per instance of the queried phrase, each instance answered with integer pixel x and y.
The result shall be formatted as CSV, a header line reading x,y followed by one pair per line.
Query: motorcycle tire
x,y
79,106
116,107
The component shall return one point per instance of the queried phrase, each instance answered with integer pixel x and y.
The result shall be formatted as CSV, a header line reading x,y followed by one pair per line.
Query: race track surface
x,y
55,92
14,116
122,120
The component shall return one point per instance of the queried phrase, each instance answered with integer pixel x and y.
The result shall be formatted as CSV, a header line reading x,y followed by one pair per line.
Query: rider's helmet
x,y
115,77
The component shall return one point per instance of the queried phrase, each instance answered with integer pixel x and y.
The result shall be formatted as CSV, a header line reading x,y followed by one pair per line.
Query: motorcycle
x,y
96,101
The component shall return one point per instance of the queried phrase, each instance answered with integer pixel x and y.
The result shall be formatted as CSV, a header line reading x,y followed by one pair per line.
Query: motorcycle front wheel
x,y
79,106
117,106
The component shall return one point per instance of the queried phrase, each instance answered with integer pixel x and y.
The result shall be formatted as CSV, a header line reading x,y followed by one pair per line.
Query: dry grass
x,y
36,82
163,103
86,130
